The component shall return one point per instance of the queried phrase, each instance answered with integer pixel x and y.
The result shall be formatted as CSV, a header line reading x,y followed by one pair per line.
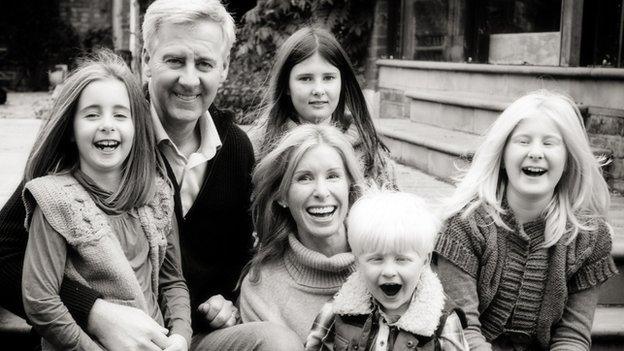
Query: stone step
x,y
608,328
470,113
437,151
457,110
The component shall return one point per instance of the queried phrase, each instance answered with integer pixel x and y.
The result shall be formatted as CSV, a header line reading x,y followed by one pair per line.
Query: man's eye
x,y
204,65
174,61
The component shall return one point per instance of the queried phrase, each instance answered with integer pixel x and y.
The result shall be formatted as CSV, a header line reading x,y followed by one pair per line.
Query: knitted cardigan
x,y
100,262
292,290
499,261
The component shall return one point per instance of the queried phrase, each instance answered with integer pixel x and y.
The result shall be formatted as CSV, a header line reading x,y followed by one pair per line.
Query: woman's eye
x,y
305,78
329,78
121,115
304,178
333,176
91,115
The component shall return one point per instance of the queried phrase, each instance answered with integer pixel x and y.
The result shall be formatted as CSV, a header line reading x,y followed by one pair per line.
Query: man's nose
x,y
189,76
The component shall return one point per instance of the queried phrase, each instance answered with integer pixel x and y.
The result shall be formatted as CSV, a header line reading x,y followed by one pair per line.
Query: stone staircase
x,y
440,137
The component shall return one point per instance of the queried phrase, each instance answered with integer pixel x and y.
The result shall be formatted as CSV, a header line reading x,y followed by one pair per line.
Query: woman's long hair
x,y
272,179
55,150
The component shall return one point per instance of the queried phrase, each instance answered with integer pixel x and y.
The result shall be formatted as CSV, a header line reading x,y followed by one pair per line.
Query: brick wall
x,y
606,129
378,45
85,15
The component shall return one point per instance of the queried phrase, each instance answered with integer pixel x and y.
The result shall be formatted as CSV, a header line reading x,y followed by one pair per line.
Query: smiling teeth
x,y
186,97
321,210
534,169
107,143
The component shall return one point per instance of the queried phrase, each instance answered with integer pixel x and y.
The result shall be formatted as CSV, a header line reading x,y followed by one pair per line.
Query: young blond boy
x,y
393,301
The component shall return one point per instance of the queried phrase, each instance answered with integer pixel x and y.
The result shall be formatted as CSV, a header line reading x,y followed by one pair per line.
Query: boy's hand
x,y
176,343
219,312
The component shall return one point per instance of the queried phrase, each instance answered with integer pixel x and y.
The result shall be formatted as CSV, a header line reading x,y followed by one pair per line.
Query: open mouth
x,y
390,289
186,97
533,171
321,211
107,145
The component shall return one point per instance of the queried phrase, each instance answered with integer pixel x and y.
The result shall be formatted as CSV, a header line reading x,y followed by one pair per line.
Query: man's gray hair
x,y
161,12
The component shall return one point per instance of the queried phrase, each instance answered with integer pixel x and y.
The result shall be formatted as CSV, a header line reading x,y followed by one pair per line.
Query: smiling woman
x,y
303,190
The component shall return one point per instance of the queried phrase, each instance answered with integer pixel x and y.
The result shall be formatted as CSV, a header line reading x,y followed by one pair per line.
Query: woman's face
x,y
314,88
318,197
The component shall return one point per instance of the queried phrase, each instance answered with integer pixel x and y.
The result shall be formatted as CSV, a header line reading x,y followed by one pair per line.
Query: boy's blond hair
x,y
390,221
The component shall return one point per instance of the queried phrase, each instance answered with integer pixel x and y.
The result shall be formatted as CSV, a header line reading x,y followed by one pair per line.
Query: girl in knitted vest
x,y
99,211
526,244
393,301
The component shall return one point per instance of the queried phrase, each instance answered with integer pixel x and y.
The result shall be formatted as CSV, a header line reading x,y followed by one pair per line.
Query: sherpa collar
x,y
422,316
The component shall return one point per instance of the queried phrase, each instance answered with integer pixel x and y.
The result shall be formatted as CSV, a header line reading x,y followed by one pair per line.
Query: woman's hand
x,y
176,343
219,312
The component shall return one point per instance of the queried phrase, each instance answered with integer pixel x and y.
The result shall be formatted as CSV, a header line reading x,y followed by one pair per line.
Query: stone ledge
x,y
572,72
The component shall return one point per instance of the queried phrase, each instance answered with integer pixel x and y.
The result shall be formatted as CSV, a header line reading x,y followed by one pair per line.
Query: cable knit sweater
x,y
522,288
291,291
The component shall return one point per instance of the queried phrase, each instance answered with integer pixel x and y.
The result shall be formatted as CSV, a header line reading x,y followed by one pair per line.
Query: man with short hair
x,y
209,159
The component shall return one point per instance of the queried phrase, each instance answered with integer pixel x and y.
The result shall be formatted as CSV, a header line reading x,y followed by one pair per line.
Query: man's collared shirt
x,y
189,172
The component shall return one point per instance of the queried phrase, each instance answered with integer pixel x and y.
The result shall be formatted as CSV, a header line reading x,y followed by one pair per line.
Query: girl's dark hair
x,y
352,109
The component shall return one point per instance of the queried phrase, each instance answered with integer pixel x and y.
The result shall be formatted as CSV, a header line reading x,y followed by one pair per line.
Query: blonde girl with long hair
x,y
526,243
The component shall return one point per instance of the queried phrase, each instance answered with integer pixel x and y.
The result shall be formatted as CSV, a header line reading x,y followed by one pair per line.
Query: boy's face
x,y
391,278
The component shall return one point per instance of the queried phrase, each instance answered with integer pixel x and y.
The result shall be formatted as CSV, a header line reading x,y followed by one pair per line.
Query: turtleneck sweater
x,y
291,291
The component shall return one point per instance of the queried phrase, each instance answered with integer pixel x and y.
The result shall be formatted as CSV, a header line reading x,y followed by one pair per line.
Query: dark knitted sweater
x,y
215,235
519,285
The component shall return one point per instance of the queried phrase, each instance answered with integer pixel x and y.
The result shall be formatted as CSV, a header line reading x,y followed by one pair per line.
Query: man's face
x,y
185,65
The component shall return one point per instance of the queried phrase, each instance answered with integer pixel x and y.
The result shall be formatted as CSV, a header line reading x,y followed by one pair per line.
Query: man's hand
x,y
219,312
122,328
177,343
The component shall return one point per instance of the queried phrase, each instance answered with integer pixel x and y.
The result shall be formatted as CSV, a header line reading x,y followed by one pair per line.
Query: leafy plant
x,y
266,27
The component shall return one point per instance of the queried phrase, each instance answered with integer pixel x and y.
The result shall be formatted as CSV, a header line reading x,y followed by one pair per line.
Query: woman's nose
x,y
320,189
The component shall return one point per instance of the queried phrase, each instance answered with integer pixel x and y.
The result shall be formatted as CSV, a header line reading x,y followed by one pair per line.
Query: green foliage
x,y
266,27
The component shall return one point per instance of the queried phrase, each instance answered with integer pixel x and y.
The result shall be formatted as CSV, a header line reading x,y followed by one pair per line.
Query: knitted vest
x,y
481,248
97,258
